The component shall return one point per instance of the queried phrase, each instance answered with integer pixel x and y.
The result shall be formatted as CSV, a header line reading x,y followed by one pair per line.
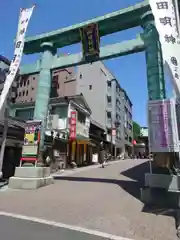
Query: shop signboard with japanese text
x,y
25,15
166,19
73,122
90,41
31,141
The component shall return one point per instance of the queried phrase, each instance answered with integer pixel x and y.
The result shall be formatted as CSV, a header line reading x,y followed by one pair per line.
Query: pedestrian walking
x,y
102,154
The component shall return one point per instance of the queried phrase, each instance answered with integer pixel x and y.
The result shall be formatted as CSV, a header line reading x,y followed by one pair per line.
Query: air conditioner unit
x,y
52,122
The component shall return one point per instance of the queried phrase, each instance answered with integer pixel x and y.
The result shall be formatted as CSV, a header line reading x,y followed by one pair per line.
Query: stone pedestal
x,y
161,190
30,178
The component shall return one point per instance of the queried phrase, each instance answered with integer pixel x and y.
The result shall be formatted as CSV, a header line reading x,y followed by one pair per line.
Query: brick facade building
x,y
63,84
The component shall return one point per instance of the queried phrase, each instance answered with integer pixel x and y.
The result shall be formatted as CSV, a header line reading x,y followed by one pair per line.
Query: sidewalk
x,y
68,172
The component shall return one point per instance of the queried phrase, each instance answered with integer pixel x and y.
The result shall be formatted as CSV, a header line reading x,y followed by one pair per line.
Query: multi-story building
x,y
63,84
109,103
128,124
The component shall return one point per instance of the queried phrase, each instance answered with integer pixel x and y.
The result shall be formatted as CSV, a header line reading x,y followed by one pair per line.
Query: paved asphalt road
x,y
99,199
16,229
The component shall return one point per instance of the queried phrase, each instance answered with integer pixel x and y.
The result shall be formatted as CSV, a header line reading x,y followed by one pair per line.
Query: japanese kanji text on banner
x,y
73,121
163,131
166,20
25,15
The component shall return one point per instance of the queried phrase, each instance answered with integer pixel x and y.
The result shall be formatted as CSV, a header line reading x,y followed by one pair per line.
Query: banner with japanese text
x,y
163,131
166,20
25,15
90,41
73,122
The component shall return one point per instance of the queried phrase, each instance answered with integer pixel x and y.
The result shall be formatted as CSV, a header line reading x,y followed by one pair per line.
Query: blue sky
x,y
54,14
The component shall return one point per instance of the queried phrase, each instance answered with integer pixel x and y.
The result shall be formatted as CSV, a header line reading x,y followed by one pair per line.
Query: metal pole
x,y
176,8
4,138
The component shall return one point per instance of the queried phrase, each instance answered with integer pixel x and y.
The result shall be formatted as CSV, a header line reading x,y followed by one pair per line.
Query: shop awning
x,y
83,140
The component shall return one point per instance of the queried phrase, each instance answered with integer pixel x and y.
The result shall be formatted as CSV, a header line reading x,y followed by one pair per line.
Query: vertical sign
x,y
163,135
24,18
166,20
90,41
31,141
73,120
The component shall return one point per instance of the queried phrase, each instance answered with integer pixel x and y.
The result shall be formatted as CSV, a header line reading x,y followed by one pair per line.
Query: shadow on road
x,y
131,187
137,173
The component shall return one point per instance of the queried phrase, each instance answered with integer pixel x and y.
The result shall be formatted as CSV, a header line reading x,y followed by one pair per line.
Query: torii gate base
x,y
29,178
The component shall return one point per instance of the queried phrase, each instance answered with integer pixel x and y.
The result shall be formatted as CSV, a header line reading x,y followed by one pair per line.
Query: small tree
x,y
136,130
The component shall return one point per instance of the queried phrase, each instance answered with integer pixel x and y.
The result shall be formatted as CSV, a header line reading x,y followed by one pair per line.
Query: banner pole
x,y
176,8
4,138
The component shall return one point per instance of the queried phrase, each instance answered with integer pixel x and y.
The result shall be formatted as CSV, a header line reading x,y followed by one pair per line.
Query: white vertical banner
x,y
24,18
167,24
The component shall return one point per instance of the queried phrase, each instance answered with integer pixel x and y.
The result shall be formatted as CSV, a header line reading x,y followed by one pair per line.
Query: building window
x,y
23,93
126,137
21,83
90,87
130,116
109,131
34,78
80,76
19,94
109,99
58,86
55,81
109,115
32,88
31,99
109,83
81,117
28,82
26,92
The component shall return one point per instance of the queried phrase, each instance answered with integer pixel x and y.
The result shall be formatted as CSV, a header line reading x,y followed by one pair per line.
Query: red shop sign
x,y
72,130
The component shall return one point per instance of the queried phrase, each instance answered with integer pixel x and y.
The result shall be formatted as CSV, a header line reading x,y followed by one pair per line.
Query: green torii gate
x,y
133,16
